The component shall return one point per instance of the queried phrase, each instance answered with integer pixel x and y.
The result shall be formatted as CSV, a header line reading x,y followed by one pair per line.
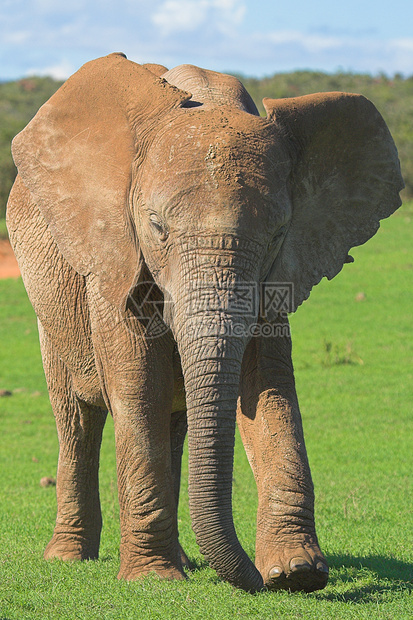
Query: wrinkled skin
x,y
136,193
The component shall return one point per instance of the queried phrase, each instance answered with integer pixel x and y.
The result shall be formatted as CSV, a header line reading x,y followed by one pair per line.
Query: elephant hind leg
x,y
79,426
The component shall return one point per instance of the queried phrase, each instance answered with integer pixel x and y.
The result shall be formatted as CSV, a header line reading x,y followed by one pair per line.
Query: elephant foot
x,y
64,547
162,571
136,563
294,567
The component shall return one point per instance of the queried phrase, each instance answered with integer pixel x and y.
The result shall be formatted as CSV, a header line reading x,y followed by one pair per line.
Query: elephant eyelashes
x,y
272,250
278,237
158,228
276,241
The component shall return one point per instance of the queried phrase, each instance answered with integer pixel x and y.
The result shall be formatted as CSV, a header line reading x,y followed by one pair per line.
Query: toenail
x,y
299,564
275,572
322,568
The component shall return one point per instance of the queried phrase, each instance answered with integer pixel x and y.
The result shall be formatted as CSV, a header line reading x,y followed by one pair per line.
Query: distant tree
x,y
19,102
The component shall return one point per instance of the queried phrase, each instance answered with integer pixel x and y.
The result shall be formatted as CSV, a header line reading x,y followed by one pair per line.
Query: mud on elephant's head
x,y
179,175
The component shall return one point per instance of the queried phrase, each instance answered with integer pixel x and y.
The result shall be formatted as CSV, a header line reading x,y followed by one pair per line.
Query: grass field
x,y
3,229
353,354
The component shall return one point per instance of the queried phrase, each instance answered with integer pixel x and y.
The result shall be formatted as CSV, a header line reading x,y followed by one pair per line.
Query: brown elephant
x,y
163,230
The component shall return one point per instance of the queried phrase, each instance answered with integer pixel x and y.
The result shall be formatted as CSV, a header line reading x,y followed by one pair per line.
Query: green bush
x,y
19,102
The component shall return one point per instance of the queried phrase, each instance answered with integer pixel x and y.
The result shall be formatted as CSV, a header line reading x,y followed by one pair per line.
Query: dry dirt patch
x,y
8,263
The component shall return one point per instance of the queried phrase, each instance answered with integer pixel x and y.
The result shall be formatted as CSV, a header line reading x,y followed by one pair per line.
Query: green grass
x,y
354,373
3,229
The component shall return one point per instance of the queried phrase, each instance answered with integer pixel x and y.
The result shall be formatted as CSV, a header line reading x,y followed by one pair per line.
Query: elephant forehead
x,y
198,130
213,152
220,178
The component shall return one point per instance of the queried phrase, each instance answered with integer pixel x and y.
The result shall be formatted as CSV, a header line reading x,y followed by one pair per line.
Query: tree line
x,y
393,96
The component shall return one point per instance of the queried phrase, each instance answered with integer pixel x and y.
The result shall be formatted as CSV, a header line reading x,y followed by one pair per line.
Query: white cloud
x,y
53,6
188,15
310,42
404,45
59,71
400,51
179,15
16,37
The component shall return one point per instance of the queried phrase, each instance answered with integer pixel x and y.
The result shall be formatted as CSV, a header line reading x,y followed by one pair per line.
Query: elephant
x,y
164,231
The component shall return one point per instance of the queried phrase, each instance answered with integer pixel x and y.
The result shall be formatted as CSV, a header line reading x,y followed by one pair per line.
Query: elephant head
x,y
179,173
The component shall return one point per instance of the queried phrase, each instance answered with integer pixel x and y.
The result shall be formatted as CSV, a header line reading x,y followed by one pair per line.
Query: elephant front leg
x,y
149,533
137,375
287,551
79,425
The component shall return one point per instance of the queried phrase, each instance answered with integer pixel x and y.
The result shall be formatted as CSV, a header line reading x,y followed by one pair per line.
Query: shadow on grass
x,y
385,576
389,575
197,564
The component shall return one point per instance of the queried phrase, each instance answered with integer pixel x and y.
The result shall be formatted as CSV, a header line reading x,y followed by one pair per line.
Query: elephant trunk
x,y
211,364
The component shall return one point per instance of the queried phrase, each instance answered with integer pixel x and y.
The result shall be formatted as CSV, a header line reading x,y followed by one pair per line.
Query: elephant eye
x,y
158,227
275,241
272,250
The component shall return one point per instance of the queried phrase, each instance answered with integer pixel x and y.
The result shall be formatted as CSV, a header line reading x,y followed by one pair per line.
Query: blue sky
x,y
253,37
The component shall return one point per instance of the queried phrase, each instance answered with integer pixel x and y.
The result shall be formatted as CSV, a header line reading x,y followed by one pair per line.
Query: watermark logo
x,y
148,306
276,298
239,299
238,329
244,302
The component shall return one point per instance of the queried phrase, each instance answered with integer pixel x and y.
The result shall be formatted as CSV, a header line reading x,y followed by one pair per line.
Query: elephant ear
x,y
345,178
76,158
